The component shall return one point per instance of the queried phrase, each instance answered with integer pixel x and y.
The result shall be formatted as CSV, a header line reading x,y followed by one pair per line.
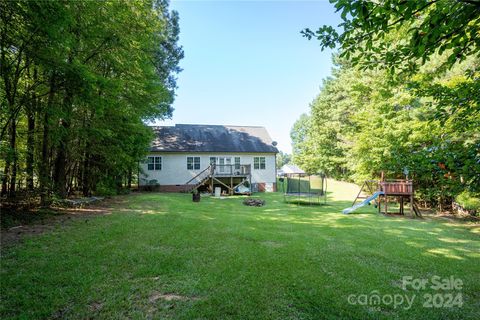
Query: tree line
x,y
78,81
403,98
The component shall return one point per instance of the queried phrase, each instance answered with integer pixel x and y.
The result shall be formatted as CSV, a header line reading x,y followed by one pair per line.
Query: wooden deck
x,y
228,177
397,188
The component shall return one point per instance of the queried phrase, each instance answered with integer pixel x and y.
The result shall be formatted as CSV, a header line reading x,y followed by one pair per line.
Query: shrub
x,y
152,185
106,188
468,201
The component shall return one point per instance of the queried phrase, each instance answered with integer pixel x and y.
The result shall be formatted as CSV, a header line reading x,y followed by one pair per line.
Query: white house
x,y
185,156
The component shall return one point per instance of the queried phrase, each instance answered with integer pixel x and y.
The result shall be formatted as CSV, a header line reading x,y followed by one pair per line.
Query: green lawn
x,y
163,256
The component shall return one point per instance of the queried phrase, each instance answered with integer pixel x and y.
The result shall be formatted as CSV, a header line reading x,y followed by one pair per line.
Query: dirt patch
x,y
61,313
22,223
95,306
429,214
458,217
168,297
271,244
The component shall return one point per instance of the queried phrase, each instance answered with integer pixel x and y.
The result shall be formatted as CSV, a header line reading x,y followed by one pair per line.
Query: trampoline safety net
x,y
304,186
296,185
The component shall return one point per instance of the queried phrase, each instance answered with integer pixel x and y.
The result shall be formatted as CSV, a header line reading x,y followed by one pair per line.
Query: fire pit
x,y
254,202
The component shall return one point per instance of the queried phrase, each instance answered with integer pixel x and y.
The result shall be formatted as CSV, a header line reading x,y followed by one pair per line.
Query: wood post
x,y
386,203
380,203
411,204
401,205
359,192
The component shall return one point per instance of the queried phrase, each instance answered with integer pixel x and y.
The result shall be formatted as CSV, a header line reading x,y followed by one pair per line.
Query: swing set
x,y
400,189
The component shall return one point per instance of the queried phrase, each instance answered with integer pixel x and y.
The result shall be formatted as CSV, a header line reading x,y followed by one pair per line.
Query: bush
x,y
152,185
106,188
468,201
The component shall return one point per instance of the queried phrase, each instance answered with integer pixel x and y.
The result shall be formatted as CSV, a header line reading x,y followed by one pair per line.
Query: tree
x,y
365,122
432,27
283,159
303,145
408,73
78,80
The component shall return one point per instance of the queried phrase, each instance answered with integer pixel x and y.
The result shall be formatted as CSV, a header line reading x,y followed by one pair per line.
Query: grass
x,y
163,256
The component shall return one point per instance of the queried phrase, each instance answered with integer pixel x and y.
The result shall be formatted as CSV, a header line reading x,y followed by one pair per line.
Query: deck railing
x,y
202,175
396,186
231,169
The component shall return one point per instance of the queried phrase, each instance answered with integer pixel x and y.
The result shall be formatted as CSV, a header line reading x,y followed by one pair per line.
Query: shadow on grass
x,y
231,254
305,203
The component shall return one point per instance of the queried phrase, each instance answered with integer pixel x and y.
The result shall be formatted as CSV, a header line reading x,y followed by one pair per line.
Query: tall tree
x,y
282,159
78,81
432,27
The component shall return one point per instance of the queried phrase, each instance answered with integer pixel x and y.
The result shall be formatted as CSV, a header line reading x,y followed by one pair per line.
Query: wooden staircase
x,y
199,179
216,173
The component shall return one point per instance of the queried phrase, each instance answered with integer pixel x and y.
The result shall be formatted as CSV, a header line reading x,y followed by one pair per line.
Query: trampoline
x,y
299,187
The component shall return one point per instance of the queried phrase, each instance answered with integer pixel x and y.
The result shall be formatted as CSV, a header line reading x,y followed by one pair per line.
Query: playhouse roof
x,y
212,138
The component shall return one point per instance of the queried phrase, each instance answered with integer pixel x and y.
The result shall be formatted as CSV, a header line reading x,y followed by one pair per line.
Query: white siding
x,y
174,167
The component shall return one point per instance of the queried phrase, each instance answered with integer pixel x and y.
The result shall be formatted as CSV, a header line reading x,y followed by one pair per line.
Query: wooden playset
x,y
400,189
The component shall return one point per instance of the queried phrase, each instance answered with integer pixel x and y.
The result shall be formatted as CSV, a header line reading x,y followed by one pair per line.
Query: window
x,y
221,164
259,163
193,163
224,164
237,163
213,160
154,163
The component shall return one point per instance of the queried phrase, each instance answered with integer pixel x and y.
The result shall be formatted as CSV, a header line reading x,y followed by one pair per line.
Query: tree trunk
x,y
30,145
129,182
86,173
86,178
71,174
59,176
44,165
31,110
6,174
60,173
13,147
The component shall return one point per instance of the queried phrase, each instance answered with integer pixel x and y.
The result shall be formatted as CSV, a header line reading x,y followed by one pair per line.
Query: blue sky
x,y
247,64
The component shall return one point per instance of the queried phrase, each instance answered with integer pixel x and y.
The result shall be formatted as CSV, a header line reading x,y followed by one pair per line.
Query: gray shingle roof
x,y
211,138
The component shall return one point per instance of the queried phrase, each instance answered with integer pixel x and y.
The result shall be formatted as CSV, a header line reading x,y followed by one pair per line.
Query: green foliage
x,y
106,187
405,95
79,79
282,159
468,201
433,26
365,122
303,147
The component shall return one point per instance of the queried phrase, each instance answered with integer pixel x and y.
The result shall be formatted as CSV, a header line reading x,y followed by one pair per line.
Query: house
x,y
189,156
